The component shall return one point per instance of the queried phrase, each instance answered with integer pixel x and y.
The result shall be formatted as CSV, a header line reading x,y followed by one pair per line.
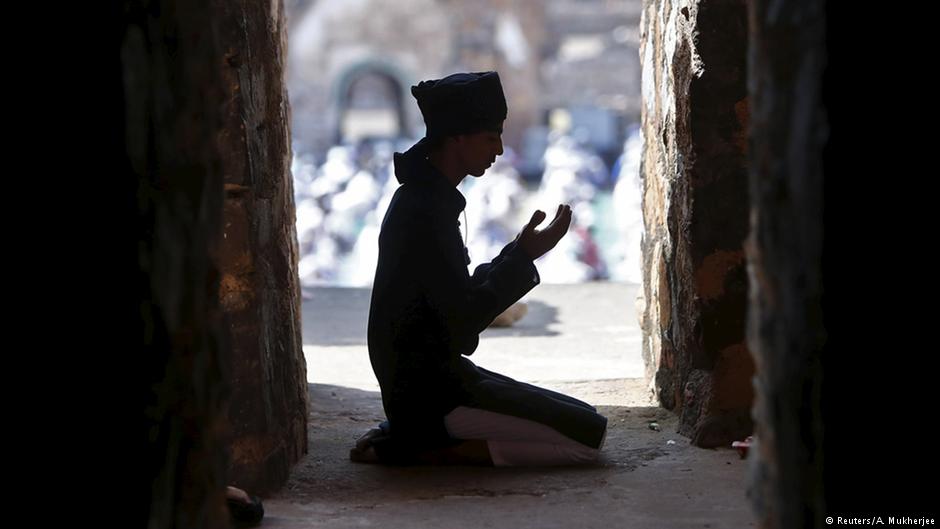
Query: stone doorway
x,y
240,247
371,108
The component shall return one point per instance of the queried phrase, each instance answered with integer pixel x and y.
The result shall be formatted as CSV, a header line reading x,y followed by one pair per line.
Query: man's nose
x,y
499,148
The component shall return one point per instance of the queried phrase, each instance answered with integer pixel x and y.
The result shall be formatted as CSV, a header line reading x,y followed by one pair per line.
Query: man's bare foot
x,y
244,510
364,452
366,455
234,493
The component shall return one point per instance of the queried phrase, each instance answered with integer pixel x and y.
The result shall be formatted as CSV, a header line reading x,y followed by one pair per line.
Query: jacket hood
x,y
413,168
409,165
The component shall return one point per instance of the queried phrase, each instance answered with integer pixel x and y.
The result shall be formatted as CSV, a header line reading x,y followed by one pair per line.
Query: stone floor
x,y
579,339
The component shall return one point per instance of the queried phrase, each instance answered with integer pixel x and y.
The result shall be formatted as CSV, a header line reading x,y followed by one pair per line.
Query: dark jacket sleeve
x,y
464,304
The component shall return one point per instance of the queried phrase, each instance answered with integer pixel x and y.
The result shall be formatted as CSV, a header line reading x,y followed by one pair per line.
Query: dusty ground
x,y
646,478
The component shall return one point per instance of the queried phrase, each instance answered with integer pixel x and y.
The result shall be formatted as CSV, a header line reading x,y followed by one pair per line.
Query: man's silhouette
x,y
427,311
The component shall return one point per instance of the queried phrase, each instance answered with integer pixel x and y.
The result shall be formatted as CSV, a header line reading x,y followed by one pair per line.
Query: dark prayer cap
x,y
462,103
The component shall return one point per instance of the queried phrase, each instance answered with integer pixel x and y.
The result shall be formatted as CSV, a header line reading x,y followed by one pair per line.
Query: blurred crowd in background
x,y
341,201
571,73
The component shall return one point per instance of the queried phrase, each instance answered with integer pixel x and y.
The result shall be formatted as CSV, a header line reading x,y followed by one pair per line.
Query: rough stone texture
x,y
172,94
695,115
259,290
785,328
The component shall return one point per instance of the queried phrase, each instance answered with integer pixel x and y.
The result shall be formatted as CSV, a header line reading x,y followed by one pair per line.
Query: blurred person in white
x,y
571,176
628,200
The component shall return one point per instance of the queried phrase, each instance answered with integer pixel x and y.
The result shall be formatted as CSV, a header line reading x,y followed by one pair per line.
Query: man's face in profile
x,y
479,150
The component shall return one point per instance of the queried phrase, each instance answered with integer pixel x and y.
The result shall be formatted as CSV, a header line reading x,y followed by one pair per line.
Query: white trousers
x,y
513,441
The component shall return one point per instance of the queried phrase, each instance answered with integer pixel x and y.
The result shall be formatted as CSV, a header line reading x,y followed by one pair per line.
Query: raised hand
x,y
537,243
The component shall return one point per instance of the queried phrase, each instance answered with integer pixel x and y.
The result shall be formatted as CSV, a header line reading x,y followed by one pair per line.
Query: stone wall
x,y
695,118
172,93
259,290
784,251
